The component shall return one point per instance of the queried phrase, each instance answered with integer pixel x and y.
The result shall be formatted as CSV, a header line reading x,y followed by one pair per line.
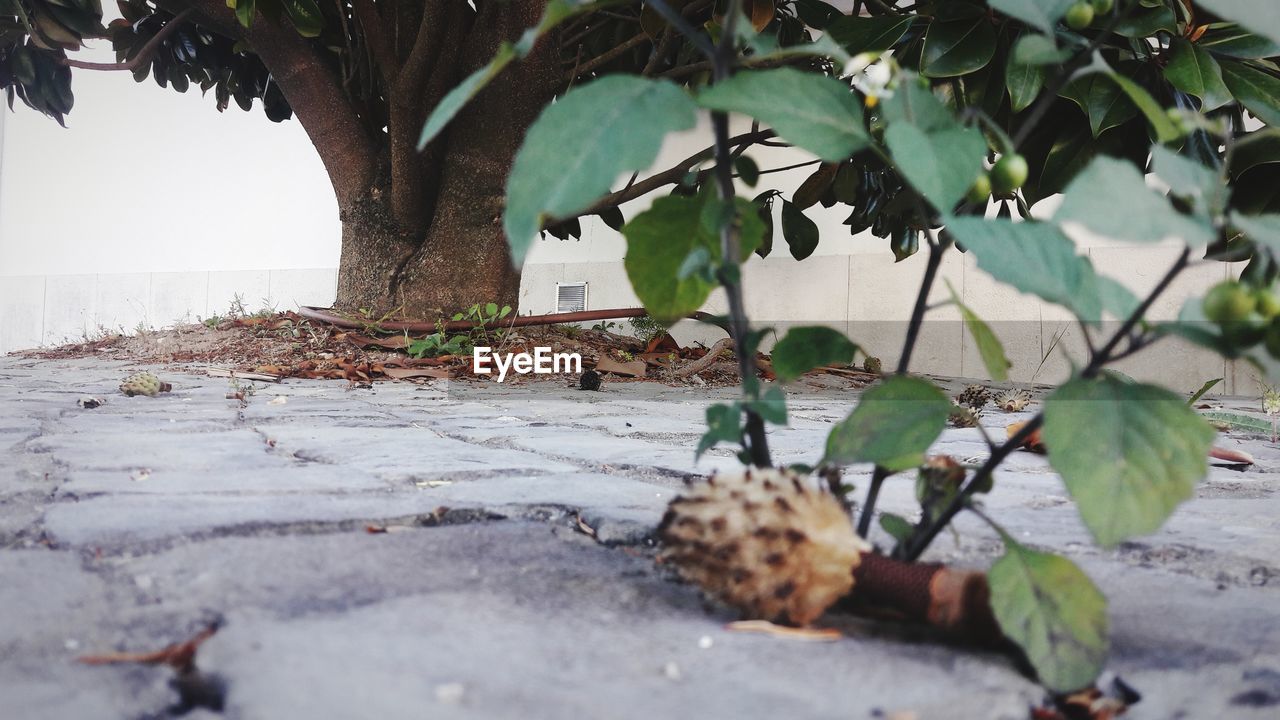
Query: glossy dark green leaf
x,y
1255,89
1193,70
1102,101
1033,49
1235,42
1024,83
957,47
815,112
305,15
1261,147
245,10
546,182
1054,612
1129,453
1033,257
799,231
748,171
893,425
1148,22
805,348
876,33
1165,130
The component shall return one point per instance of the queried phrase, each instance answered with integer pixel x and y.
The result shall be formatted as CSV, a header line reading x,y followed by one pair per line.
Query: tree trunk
x,y
461,258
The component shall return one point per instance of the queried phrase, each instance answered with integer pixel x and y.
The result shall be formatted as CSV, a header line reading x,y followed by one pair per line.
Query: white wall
x,y
151,207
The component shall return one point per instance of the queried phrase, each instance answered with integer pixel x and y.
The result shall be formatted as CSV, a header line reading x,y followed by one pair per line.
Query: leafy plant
x,y
646,327
1006,102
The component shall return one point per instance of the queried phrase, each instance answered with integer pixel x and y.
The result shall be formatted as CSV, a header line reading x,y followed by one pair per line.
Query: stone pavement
x,y
131,526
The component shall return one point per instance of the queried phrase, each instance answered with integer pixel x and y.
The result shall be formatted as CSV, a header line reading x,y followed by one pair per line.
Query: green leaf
x,y
245,10
1041,14
815,112
1054,612
1129,453
1024,83
898,527
306,16
1235,42
1191,180
1144,24
1117,299
799,231
1256,90
662,237
453,101
772,406
1033,49
1262,229
989,346
1193,70
1241,423
1257,148
548,182
893,425
1033,257
1111,198
957,47
805,348
1102,101
1260,16
869,34
941,165
1206,387
1164,128
747,170
724,424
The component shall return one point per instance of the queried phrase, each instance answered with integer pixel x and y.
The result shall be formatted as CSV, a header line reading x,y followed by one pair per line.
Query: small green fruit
x,y
1079,16
981,190
1009,173
1268,303
1102,7
1228,302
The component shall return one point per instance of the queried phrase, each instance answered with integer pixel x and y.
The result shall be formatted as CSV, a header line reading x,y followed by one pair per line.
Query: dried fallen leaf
x,y
782,631
179,656
635,368
1032,443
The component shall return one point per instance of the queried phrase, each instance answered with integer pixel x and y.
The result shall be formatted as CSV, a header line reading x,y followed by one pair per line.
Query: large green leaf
x,y
1042,14
660,238
1147,22
989,347
815,112
245,10
1193,70
583,141
1189,179
1262,229
1156,116
942,164
1053,611
869,34
957,47
1129,453
1033,257
1236,42
1111,198
893,425
555,12
1256,90
1102,101
1024,83
1260,16
805,348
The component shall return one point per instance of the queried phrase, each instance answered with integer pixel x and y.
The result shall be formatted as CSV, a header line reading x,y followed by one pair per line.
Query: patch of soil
x,y
289,345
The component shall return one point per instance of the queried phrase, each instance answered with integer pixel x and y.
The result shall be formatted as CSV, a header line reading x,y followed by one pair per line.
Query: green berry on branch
x,y
1080,15
1102,7
1268,303
1228,302
981,190
1009,173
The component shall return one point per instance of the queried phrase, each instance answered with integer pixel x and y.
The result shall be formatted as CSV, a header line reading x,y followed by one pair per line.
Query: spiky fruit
x,y
963,416
1014,400
872,365
767,542
144,383
974,396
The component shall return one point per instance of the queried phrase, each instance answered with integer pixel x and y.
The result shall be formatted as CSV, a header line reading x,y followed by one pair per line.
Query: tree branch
x,y
143,56
607,57
384,54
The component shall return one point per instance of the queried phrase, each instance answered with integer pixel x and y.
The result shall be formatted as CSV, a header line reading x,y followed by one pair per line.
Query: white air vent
x,y
571,297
